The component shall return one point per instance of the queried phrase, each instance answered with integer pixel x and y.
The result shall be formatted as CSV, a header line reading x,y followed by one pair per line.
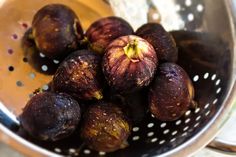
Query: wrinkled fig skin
x,y
170,93
129,63
56,30
105,30
50,117
80,75
163,42
105,127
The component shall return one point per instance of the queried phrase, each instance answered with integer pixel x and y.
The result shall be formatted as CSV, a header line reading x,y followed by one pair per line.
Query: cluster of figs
x,y
109,58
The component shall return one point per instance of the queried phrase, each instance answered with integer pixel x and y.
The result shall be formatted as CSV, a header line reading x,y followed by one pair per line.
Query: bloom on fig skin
x,y
105,30
129,63
163,42
171,93
80,75
105,127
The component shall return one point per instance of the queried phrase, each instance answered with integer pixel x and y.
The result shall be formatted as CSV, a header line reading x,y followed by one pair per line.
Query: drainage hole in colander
x,y
178,122
198,118
14,36
217,82
173,139
153,140
200,7
25,59
87,151
166,131
195,78
186,128
41,55
10,51
44,67
19,84
163,125
218,90
206,75
57,150
188,3
207,113
174,132
162,142
215,101
32,75
197,110
187,113
135,129
184,134
150,134
213,77
150,125
102,153
190,17
196,125
135,138
72,151
11,68
206,106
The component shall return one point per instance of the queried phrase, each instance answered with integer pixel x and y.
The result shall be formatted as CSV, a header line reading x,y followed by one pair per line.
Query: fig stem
x,y
132,51
98,95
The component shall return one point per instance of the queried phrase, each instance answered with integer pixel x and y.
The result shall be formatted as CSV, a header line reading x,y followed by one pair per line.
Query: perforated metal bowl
x,y
206,45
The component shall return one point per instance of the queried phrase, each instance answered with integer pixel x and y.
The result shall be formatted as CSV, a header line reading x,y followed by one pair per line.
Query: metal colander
x,y
204,31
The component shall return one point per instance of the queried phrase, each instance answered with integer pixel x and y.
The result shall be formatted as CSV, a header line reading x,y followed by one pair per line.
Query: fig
x,y
80,75
171,92
105,127
104,30
129,63
163,42
56,30
49,116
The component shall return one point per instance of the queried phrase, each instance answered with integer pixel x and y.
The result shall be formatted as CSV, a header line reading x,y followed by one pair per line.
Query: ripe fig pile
x,y
117,77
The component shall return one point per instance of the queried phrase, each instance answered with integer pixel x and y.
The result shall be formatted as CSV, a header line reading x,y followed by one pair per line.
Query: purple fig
x,y
163,42
105,127
171,93
80,75
56,30
49,116
105,30
129,63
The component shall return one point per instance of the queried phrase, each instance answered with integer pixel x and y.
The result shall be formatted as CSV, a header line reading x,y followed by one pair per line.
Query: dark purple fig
x,y
171,93
56,30
104,30
50,116
105,127
163,42
129,63
80,75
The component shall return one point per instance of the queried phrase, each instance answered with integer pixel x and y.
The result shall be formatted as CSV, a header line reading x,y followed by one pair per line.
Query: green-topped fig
x,y
56,30
80,75
103,31
129,63
50,117
171,93
105,127
163,42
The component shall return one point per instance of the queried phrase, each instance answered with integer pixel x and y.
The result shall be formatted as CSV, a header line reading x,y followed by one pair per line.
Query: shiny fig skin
x,y
105,30
163,42
171,92
105,127
50,116
80,75
56,30
129,63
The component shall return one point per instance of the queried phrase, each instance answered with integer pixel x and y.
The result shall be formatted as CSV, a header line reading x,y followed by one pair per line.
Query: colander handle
x,y
223,146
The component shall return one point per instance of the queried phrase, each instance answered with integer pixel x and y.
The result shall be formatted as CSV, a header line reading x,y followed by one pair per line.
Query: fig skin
x,y
171,92
80,75
163,42
129,63
105,127
103,31
56,31
50,117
